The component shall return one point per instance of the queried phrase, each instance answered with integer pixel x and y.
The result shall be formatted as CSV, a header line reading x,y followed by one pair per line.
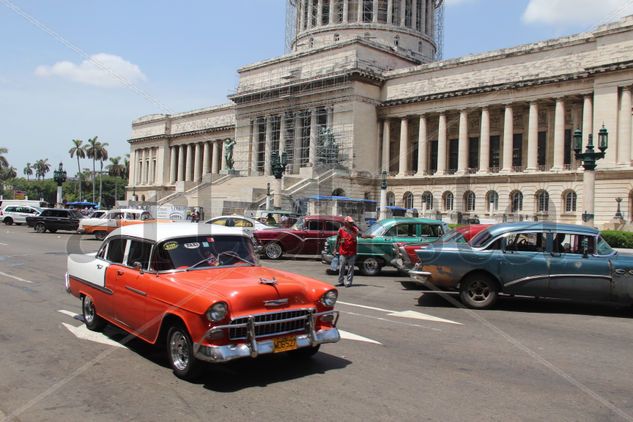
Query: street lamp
x,y
589,159
59,176
383,196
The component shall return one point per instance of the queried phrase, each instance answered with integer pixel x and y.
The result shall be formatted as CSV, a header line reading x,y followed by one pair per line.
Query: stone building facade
x,y
487,135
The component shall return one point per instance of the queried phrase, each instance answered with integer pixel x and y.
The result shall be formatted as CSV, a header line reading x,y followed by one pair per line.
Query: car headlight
x,y
329,299
217,312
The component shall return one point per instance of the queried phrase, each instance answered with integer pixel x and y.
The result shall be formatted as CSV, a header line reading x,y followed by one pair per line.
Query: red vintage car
x,y
199,290
306,237
406,257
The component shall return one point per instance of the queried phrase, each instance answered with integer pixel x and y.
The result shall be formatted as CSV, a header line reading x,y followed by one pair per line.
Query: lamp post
x,y
383,196
589,158
59,176
618,213
279,161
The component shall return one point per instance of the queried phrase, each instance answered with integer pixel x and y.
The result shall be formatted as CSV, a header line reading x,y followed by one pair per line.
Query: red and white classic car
x,y
199,289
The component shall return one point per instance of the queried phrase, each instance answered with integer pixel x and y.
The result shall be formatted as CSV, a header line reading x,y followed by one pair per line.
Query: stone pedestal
x,y
60,201
230,172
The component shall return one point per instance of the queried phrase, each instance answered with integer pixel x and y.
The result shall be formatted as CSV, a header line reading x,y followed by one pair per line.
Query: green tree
x,y
8,173
92,149
41,168
28,171
115,168
102,154
4,163
78,151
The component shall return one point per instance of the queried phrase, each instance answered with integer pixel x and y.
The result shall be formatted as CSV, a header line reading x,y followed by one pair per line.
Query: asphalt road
x,y
406,356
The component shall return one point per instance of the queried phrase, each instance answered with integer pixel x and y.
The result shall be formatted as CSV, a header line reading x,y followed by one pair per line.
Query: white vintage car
x,y
112,220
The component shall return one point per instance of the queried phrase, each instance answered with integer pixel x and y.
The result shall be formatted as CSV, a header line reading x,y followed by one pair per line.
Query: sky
x,y
159,56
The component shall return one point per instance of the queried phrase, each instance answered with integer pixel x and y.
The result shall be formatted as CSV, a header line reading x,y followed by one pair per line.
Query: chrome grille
x,y
270,324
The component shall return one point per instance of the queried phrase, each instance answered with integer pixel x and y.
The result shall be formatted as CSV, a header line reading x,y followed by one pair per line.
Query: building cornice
x,y
181,134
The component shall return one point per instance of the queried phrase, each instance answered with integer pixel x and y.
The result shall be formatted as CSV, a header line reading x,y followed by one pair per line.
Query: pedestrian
x,y
270,220
346,242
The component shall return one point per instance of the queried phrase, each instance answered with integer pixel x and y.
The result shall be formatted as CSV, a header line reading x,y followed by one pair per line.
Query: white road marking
x,y
16,278
351,336
70,314
4,244
403,314
84,333
418,315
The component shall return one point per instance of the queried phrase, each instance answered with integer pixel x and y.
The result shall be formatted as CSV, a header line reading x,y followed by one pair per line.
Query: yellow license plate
x,y
284,344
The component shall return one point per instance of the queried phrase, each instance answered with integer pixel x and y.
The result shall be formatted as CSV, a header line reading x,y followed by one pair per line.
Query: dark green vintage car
x,y
377,251
539,259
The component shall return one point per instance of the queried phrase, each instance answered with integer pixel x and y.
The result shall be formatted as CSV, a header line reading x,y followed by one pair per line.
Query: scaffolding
x,y
439,29
292,23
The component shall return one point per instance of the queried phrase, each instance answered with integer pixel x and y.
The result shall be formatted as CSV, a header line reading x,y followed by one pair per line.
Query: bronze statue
x,y
228,153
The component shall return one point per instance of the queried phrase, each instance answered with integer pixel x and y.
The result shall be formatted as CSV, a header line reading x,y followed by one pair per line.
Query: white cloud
x,y
103,70
457,2
583,12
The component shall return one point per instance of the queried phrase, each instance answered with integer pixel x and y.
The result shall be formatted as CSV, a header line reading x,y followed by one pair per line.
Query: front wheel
x,y
273,250
40,228
479,292
93,321
180,353
370,266
8,221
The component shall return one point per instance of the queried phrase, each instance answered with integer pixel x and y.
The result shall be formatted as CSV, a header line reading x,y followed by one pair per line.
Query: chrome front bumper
x,y
253,348
421,277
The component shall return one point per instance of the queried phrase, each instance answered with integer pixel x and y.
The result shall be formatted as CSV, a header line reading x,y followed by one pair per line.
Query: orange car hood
x,y
247,289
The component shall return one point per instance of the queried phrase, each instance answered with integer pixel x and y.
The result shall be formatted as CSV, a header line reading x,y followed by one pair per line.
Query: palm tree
x,y
126,163
41,168
115,168
8,173
92,149
28,170
4,163
79,152
102,154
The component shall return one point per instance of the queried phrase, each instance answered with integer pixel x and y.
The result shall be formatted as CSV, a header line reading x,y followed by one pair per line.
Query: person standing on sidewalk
x,y
346,242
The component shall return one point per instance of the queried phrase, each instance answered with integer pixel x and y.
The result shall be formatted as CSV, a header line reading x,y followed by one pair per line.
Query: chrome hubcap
x,y
370,264
89,310
479,291
179,349
273,250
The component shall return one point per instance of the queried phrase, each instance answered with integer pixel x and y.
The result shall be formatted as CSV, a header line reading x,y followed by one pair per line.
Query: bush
x,y
618,239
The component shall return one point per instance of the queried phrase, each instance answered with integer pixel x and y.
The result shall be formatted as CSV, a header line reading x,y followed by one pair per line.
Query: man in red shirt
x,y
346,241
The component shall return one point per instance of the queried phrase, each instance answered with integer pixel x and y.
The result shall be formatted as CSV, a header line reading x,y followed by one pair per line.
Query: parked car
x,y
53,219
113,219
199,290
377,251
405,256
306,237
16,214
240,221
542,259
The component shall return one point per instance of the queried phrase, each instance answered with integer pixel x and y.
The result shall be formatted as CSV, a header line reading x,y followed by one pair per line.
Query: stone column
x,y
403,12
414,14
587,117
206,158
484,141
189,165
559,135
390,11
423,17
330,118
359,14
331,15
375,11
197,168
508,136
462,149
268,146
624,133
312,156
386,139
254,149
215,157
300,9
403,167
319,13
172,165
181,163
441,145
282,133
423,148
310,14
345,10
145,165
296,156
532,155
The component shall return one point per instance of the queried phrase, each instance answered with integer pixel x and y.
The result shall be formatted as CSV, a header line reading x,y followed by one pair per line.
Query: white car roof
x,y
130,210
158,232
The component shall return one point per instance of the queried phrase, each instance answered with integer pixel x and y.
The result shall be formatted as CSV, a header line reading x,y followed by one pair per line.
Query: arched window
x,y
448,199
338,192
469,201
427,201
391,199
569,200
542,201
407,200
396,40
492,201
516,201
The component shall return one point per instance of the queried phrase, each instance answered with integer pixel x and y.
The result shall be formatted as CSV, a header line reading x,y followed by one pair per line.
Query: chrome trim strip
x,y
606,277
89,284
138,292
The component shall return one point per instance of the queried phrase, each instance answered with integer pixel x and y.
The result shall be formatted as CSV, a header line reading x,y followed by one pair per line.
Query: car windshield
x,y
375,230
203,252
453,236
603,247
298,225
480,239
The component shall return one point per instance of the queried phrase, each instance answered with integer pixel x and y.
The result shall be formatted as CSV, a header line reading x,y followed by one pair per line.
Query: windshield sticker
x,y
193,245
205,244
170,246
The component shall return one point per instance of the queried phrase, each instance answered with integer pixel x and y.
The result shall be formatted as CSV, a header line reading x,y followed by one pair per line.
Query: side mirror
x,y
138,267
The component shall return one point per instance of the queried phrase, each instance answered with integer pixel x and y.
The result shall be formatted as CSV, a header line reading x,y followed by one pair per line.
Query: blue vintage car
x,y
540,259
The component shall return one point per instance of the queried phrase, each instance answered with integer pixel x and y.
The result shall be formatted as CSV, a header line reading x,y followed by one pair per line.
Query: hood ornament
x,y
268,281
276,302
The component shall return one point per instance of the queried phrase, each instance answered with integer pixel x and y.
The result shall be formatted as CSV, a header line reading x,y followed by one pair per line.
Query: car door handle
x,y
119,272
620,271
99,266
